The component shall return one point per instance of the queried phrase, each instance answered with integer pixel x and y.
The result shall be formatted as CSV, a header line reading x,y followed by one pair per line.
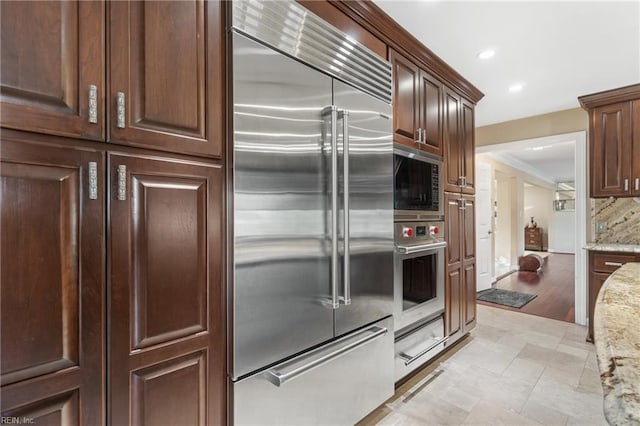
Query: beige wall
x,y
555,123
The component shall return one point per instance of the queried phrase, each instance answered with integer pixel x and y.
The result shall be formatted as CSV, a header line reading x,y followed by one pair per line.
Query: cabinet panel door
x,y
596,279
469,297
166,59
635,167
469,229
453,304
611,150
453,230
467,127
51,53
52,283
453,149
167,344
406,96
431,112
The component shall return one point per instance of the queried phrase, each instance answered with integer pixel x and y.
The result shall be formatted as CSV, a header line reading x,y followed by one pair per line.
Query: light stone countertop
x,y
631,248
617,340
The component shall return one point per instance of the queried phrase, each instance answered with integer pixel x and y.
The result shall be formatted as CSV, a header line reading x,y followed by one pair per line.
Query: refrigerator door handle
x,y
346,267
335,276
296,368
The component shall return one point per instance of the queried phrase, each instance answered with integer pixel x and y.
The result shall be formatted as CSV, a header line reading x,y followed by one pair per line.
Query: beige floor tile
x,y
524,370
461,399
591,362
398,419
573,350
567,376
432,410
590,382
543,414
486,413
538,354
566,399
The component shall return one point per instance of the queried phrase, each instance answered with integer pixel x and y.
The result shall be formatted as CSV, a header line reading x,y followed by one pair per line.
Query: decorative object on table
x,y
530,263
514,299
532,224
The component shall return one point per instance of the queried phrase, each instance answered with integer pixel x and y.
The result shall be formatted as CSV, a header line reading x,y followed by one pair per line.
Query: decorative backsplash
x,y
623,220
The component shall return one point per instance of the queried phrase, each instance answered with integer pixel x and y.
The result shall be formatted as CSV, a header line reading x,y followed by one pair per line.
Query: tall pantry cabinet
x,y
112,212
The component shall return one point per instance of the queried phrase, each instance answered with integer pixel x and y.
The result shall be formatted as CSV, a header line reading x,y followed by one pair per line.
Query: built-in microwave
x,y
417,194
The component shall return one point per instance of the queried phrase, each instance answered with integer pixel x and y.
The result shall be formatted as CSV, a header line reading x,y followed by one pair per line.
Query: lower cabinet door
x,y
52,283
336,384
166,310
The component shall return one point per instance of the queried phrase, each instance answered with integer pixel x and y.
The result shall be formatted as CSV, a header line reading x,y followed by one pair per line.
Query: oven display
x,y
421,231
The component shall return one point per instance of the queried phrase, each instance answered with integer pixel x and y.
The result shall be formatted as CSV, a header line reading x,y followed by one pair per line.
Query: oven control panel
x,y
415,232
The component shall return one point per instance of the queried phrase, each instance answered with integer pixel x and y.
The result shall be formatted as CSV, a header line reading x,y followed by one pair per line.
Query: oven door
x,y
418,283
417,194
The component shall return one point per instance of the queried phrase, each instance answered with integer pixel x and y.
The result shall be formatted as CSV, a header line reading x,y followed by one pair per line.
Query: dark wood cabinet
x,y
459,144
52,282
614,141
53,67
417,102
601,265
460,288
167,75
166,315
533,239
166,72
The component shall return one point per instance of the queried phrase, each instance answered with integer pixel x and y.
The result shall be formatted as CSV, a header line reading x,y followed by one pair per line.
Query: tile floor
x,y
514,369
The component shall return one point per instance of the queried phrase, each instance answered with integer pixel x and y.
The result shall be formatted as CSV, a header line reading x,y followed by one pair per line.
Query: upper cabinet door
x,y
467,127
452,142
611,150
52,72
406,99
431,113
167,79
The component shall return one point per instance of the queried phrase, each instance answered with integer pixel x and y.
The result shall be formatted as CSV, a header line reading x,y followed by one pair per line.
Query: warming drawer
x,y
338,383
417,346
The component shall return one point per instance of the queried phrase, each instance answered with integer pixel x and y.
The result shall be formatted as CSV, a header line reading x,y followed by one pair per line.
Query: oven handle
x,y
410,359
420,247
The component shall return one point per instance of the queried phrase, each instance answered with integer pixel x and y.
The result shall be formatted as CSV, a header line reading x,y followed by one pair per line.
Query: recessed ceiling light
x,y
516,87
486,54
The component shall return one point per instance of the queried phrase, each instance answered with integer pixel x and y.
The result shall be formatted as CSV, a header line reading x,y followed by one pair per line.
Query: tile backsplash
x,y
623,220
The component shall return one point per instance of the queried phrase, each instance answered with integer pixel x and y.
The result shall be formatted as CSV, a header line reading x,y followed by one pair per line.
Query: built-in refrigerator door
x,y
366,211
281,242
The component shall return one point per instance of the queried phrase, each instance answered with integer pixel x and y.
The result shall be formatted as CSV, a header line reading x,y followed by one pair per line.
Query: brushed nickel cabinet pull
x,y
93,104
637,184
122,182
626,184
93,180
121,110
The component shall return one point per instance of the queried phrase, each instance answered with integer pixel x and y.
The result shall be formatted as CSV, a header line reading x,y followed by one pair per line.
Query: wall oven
x,y
418,294
417,194
418,272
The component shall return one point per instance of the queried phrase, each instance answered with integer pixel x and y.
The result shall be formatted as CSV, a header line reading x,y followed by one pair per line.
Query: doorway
x,y
538,163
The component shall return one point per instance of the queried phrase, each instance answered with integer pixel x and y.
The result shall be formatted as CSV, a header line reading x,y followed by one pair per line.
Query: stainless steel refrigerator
x,y
312,213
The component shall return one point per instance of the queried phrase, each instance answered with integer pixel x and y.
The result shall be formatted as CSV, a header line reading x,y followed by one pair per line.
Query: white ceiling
x,y
550,159
558,50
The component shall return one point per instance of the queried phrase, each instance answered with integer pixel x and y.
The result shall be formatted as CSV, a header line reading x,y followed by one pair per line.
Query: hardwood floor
x,y
554,287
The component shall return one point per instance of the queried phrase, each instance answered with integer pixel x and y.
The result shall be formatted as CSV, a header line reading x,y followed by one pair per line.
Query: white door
x,y
483,226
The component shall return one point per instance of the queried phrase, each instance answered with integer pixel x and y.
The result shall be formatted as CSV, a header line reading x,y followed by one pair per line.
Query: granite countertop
x,y
617,340
632,248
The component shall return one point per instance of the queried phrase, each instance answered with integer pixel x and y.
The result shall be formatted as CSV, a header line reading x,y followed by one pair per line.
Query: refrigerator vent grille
x,y
292,29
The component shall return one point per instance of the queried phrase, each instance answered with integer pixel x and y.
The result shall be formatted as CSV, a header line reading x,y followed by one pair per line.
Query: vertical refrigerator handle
x,y
346,267
334,207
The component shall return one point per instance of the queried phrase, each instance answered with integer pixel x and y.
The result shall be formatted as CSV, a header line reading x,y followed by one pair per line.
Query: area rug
x,y
505,297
